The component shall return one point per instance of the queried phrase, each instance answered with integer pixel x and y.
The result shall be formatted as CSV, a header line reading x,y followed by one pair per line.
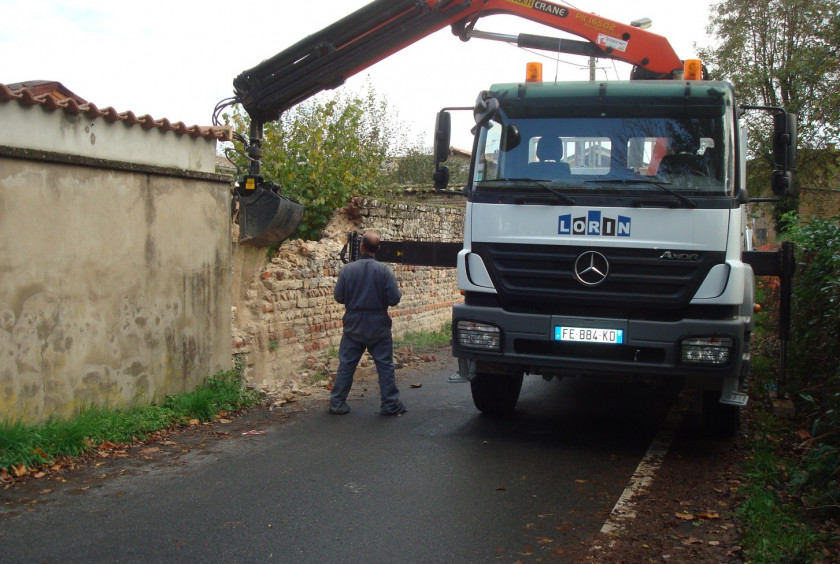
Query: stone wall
x,y
819,202
285,319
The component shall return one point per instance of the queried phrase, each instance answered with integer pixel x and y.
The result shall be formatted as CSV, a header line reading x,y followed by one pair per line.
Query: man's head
x,y
370,242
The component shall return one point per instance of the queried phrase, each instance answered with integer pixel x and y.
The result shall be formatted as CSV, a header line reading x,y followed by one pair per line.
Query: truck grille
x,y
637,277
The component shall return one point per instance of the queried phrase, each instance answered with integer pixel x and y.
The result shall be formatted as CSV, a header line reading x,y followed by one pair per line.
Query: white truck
x,y
605,237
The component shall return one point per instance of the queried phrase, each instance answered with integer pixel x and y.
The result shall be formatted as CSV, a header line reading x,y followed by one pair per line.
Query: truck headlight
x,y
707,350
474,335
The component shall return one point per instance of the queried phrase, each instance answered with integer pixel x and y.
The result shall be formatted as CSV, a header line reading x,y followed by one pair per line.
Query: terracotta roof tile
x,y
52,96
92,111
148,122
38,87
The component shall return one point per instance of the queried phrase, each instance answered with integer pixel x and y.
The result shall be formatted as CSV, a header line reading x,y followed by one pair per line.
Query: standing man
x,y
366,288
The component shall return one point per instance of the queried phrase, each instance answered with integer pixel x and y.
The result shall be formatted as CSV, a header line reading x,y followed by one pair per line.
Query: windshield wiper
x,y
563,197
658,183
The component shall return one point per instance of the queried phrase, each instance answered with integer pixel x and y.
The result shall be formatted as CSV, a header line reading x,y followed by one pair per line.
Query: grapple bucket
x,y
267,218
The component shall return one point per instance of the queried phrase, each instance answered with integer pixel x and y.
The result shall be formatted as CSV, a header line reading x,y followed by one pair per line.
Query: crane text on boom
x,y
546,7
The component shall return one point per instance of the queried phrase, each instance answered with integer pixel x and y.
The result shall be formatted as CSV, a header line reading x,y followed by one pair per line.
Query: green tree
x,y
781,53
417,163
324,151
414,167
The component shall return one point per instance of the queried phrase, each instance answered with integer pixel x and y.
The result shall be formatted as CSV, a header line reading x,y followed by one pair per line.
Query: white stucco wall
x,y
114,284
35,127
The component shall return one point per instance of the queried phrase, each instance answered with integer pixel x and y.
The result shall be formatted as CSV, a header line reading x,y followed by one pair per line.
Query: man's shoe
x,y
399,411
344,409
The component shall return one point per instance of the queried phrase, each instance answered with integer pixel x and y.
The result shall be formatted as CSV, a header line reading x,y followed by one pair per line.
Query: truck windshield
x,y
688,155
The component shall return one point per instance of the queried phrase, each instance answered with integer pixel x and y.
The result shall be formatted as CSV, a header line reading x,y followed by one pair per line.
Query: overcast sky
x,y
177,59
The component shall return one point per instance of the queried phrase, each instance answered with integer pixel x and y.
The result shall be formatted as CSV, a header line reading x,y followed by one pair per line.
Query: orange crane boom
x,y
327,58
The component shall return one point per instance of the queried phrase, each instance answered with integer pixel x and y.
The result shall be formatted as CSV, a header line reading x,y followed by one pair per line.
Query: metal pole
x,y
788,267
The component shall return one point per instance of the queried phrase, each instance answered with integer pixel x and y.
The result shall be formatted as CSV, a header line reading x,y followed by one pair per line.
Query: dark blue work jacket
x,y
367,288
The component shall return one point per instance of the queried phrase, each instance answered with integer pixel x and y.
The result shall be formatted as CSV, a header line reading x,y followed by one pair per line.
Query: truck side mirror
x,y
443,134
784,141
781,182
441,177
784,152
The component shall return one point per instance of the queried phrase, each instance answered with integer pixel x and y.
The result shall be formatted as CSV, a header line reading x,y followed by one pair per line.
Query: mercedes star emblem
x,y
591,268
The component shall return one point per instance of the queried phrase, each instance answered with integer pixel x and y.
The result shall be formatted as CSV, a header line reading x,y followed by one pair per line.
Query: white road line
x,y
625,508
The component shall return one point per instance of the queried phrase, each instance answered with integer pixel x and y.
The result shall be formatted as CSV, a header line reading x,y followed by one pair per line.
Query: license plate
x,y
589,335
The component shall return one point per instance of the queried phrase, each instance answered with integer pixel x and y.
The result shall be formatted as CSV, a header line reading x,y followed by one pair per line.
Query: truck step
x,y
734,398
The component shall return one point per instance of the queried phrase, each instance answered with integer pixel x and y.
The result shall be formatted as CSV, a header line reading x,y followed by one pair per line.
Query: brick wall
x,y
820,202
285,319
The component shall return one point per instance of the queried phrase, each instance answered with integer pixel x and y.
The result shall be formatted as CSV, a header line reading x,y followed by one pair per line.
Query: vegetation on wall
x,y
416,165
326,150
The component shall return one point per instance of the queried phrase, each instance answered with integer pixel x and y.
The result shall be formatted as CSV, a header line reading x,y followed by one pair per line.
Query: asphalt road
x,y
441,483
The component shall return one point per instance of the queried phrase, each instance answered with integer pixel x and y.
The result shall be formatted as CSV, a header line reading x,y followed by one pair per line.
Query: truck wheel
x,y
721,420
496,394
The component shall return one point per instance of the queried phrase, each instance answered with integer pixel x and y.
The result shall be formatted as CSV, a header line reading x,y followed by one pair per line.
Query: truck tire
x,y
721,420
496,394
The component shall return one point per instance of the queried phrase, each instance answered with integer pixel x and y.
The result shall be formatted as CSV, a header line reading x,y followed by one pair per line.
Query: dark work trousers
x,y
369,331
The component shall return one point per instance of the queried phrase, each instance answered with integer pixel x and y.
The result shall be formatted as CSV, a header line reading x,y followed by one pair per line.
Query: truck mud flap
x,y
267,219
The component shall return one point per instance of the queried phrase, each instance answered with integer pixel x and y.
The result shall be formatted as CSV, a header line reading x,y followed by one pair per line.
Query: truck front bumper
x,y
705,352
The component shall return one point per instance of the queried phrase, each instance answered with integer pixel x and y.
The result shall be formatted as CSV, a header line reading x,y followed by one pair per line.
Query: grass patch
x,y
426,341
774,528
33,445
